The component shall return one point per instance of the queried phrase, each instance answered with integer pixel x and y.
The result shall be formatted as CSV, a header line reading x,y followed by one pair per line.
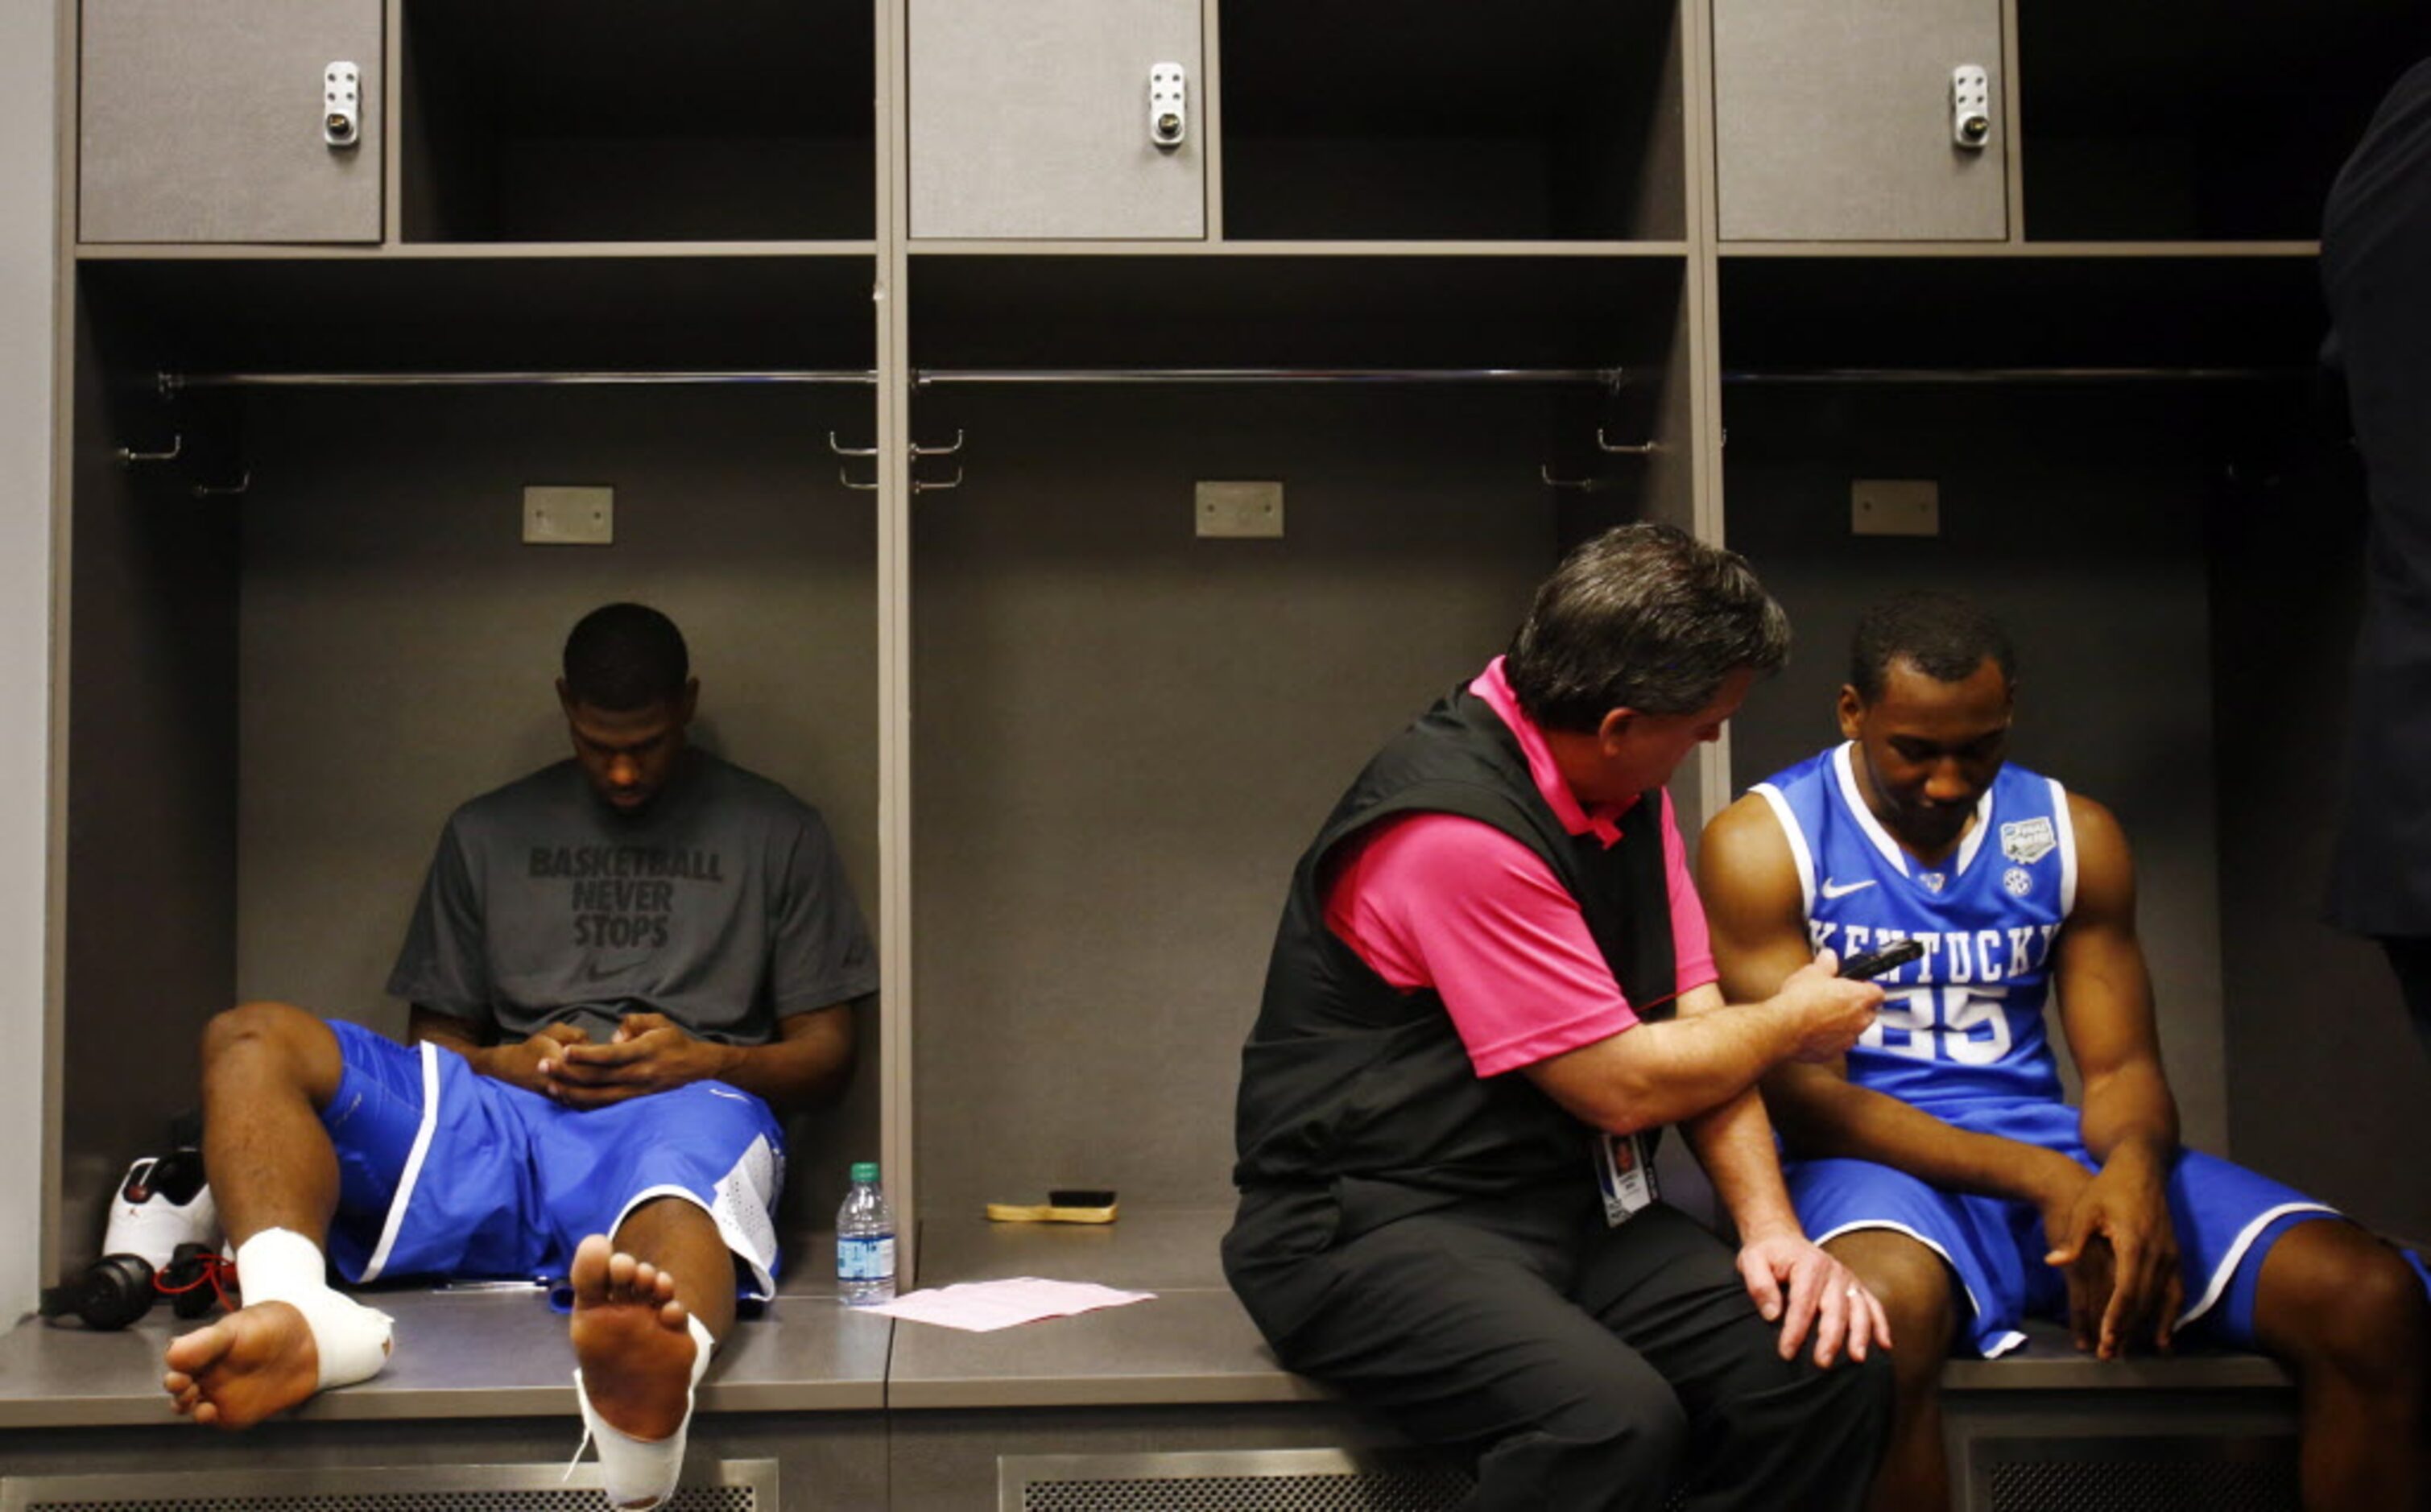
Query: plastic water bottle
x,y
865,1241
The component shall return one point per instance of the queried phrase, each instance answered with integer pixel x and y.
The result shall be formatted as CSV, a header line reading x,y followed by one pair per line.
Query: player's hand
x,y
2058,1184
1797,1283
530,1064
1828,1013
649,1053
2120,1253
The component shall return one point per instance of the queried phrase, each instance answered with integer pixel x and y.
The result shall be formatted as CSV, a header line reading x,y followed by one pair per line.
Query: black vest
x,y
1347,1078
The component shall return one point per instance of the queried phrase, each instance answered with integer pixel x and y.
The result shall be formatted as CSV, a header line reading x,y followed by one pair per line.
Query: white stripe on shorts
x,y
404,1198
740,1210
1999,1346
2245,1237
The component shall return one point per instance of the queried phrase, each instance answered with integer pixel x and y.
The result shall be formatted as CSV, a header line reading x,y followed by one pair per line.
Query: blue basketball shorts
x,y
443,1172
2226,1219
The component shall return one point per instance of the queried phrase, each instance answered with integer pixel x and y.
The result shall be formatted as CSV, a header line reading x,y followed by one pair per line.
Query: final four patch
x,y
2027,840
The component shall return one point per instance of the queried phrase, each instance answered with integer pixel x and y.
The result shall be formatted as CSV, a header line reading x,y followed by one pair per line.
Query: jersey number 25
x,y
1973,1028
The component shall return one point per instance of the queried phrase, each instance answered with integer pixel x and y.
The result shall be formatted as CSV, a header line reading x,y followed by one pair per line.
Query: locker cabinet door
x,y
1833,120
1029,118
204,121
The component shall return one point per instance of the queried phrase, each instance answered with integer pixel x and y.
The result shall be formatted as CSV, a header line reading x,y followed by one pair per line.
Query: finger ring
x,y
1855,1291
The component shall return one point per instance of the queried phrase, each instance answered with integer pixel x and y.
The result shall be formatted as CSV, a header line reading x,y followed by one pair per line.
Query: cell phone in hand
x,y
1874,962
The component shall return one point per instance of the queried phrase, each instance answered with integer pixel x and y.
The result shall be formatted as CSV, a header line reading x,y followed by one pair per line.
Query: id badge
x,y
1624,1176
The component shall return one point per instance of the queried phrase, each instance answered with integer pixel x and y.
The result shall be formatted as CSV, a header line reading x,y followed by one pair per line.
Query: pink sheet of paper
x,y
983,1306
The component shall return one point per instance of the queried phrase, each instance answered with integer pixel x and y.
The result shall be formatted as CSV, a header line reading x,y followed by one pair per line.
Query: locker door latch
x,y
1168,112
342,105
1971,106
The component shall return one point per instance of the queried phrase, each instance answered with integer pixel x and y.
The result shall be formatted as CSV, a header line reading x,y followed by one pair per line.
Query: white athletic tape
x,y
640,1473
280,1265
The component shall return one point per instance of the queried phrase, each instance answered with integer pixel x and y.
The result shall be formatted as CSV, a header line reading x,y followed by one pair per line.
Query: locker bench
x,y
2042,1427
859,1413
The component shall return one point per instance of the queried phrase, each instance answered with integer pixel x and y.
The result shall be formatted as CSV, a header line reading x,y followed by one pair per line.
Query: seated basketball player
x,y
618,965
1939,1161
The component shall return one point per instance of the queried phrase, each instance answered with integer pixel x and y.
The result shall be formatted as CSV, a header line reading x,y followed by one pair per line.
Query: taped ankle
x,y
351,1340
640,1473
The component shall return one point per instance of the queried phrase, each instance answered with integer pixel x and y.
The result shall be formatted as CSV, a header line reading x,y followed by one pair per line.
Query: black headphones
x,y
117,1289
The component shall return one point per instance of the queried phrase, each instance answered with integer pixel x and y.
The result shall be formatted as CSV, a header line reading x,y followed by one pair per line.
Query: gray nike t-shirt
x,y
722,905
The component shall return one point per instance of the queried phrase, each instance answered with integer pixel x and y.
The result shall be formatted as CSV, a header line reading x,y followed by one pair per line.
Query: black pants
x,y
2409,956
1583,1367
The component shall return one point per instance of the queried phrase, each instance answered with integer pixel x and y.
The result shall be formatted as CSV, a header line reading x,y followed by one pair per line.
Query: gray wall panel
x,y
1126,735
399,645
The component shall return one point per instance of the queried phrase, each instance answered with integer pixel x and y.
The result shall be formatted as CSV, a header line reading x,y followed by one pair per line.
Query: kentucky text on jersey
x,y
1954,956
626,861
1964,1022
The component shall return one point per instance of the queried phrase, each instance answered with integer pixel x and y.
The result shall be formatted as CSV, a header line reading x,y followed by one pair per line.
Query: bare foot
x,y
630,1339
243,1367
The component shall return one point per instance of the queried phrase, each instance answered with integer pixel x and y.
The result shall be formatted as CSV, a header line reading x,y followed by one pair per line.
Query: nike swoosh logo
x,y
1832,889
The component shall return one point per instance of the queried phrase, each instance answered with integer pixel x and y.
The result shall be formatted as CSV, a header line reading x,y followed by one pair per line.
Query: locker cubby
x,y
505,313
1801,315
275,695
1545,119
2079,516
1185,311
2163,511
1124,734
576,121
2187,121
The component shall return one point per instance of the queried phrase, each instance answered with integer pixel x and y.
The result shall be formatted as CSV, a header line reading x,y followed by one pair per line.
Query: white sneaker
x,y
150,1220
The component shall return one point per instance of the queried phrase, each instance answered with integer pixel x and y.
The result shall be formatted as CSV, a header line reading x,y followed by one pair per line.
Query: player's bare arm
x,y
806,1062
1756,911
2129,1120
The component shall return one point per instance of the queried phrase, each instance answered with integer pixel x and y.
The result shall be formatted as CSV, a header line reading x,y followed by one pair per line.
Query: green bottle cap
x,y
865,1170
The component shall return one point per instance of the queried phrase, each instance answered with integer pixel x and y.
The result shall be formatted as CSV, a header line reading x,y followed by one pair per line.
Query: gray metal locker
x,y
1031,118
1833,120
205,123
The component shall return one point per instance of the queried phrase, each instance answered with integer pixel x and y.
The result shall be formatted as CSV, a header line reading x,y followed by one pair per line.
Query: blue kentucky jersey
x,y
1964,1024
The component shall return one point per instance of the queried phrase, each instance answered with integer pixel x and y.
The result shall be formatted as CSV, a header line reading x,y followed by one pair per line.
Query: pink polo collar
x,y
1603,821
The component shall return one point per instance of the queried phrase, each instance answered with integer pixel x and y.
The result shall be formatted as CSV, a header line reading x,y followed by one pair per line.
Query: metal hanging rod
x,y
936,376
172,383
1952,376
1610,378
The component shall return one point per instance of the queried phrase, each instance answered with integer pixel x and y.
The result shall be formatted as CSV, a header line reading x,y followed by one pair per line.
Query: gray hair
x,y
1644,618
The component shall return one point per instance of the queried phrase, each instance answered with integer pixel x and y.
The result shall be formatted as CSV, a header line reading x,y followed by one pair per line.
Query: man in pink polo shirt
x,y
1490,988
